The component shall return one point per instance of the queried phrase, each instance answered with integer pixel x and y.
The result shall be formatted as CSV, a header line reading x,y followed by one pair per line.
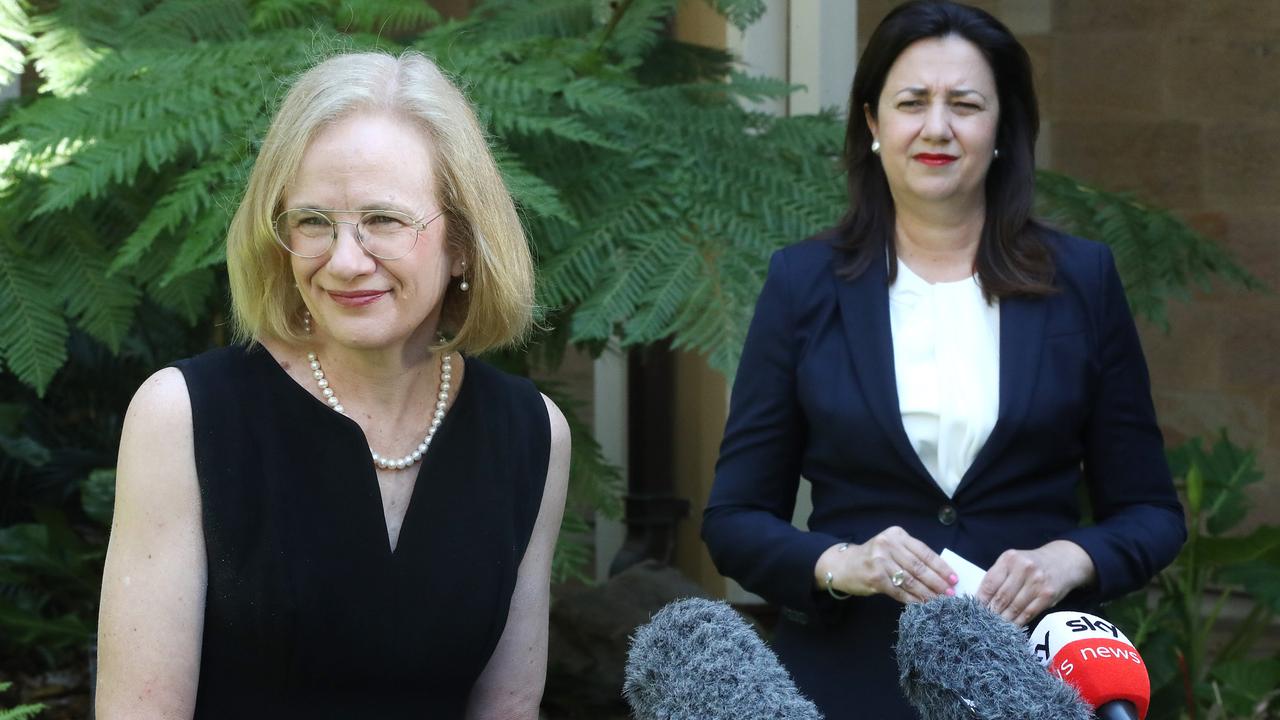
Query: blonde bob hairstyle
x,y
480,215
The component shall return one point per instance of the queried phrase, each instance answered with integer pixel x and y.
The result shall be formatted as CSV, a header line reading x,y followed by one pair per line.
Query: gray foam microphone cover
x,y
698,659
958,660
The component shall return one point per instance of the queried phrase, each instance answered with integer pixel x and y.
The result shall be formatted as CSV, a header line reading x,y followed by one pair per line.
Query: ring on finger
x,y
898,577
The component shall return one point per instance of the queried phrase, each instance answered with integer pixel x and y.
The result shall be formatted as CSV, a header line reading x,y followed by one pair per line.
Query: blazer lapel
x,y
1021,341
864,309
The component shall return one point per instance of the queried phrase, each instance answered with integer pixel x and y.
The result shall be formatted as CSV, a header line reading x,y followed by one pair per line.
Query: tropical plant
x,y
1195,667
21,712
653,195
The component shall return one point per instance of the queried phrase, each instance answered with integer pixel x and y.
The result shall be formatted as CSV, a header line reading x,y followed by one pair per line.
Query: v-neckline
x,y
864,309
370,472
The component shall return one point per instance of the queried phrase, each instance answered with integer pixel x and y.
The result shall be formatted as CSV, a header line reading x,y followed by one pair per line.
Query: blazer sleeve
x,y
747,522
1138,521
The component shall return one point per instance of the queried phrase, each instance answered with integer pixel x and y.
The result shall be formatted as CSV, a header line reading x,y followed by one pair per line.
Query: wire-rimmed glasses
x,y
385,234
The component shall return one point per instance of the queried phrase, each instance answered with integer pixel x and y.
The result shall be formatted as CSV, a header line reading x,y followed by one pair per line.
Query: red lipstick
x,y
936,160
356,298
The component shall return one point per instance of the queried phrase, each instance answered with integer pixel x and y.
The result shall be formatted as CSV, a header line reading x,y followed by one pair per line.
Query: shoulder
x,y
1077,261
807,258
229,359
559,426
161,403
498,385
513,398
157,455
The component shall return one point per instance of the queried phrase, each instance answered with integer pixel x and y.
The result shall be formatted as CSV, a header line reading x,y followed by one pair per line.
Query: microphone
x,y
1092,655
697,659
958,660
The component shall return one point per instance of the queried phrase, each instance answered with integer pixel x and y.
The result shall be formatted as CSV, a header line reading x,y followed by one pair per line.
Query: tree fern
x,y
652,194
384,16
13,36
101,304
21,712
33,333
178,23
740,12
1158,256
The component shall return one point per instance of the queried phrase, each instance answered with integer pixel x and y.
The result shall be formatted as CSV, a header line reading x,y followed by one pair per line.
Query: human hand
x,y
1024,583
892,563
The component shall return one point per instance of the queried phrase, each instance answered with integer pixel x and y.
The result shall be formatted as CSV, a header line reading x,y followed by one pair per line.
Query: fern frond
x,y
188,295
268,15
739,12
14,34
123,131
666,293
203,246
639,27
193,193
530,191
70,40
1157,256
379,16
101,305
759,87
505,20
33,333
175,23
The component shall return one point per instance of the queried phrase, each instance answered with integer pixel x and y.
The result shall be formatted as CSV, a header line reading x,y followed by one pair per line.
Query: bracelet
x,y
829,577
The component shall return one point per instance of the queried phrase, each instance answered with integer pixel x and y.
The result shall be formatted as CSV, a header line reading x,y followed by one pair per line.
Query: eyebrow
x,y
957,92
367,207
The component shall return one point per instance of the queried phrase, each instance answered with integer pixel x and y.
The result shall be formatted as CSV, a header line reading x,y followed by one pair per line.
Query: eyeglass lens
x,y
386,234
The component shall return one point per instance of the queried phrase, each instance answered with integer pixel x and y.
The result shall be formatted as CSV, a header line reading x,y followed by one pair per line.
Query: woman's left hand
x,y
1024,583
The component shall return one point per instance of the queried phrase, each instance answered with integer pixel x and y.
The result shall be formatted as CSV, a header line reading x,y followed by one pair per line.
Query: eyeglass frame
x,y
418,227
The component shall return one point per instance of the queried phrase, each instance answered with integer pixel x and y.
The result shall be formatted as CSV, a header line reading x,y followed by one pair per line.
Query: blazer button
x,y
947,515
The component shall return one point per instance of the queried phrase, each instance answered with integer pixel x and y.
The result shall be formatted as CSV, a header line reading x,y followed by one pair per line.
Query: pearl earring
x,y
996,154
464,285
875,146
306,321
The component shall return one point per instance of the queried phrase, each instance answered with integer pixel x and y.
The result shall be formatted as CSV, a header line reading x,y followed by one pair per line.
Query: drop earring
x,y
996,154
306,322
464,285
875,146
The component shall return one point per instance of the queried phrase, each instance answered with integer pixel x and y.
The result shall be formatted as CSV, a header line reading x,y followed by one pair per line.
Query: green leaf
x,y
98,495
187,295
1226,470
22,712
1259,578
1261,544
33,333
1195,489
25,449
281,14
739,12
14,34
30,628
1246,683
102,304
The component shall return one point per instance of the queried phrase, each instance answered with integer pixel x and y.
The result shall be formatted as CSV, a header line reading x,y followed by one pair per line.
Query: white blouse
x,y
946,356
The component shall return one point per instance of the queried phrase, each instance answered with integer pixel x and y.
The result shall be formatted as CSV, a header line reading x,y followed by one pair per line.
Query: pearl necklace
x,y
442,402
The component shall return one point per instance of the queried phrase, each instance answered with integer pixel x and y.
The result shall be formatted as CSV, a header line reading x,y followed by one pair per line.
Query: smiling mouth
x,y
935,160
357,298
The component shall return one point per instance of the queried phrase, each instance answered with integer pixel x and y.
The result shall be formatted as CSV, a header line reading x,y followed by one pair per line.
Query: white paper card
x,y
970,575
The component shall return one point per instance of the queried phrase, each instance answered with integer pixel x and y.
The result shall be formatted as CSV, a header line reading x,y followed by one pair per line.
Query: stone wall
x,y
1177,101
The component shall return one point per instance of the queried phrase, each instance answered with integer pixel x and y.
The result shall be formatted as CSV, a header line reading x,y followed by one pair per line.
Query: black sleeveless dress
x,y
308,611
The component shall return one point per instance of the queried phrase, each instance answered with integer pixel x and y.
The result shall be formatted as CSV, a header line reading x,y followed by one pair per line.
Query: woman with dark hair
x,y
946,372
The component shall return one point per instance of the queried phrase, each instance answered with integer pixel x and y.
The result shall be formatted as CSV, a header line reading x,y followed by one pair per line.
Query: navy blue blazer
x,y
815,395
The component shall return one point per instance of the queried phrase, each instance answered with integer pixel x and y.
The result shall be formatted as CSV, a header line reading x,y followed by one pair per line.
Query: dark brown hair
x,y
1012,258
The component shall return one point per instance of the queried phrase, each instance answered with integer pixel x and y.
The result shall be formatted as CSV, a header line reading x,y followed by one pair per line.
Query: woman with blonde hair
x,y
346,514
